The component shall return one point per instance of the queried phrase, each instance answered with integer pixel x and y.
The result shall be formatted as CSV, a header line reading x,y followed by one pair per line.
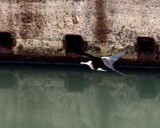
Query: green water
x,y
73,97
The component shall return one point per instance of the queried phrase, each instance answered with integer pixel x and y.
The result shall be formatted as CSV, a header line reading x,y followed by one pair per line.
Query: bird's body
x,y
96,63
94,66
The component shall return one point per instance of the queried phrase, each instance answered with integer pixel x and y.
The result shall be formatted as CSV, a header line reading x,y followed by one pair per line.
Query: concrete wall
x,y
108,26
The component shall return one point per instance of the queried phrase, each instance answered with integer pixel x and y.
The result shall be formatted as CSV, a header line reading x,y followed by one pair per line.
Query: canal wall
x,y
106,27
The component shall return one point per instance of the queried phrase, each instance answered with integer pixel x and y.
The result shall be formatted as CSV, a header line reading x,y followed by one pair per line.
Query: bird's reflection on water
x,y
72,96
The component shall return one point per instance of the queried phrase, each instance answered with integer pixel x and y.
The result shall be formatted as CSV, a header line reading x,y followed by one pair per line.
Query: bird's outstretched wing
x,y
110,60
115,58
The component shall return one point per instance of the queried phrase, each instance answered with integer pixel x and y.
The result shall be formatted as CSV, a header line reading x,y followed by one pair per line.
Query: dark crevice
x,y
74,43
7,42
146,48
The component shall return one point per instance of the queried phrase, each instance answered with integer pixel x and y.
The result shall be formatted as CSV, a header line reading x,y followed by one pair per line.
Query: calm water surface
x,y
74,97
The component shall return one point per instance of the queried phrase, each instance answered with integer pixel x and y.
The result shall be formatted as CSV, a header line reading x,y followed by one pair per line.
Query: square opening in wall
x,y
6,40
7,43
145,44
74,43
146,48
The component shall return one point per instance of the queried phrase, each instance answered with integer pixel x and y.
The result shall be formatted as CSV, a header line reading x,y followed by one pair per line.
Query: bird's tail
x,y
119,72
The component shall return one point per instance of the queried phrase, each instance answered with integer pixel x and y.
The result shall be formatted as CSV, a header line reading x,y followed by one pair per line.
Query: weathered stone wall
x,y
108,26
128,19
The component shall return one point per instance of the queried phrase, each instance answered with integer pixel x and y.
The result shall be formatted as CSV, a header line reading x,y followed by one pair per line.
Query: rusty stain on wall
x,y
101,21
10,16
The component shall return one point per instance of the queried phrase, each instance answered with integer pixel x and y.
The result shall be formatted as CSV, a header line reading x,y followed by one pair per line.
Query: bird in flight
x,y
102,63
